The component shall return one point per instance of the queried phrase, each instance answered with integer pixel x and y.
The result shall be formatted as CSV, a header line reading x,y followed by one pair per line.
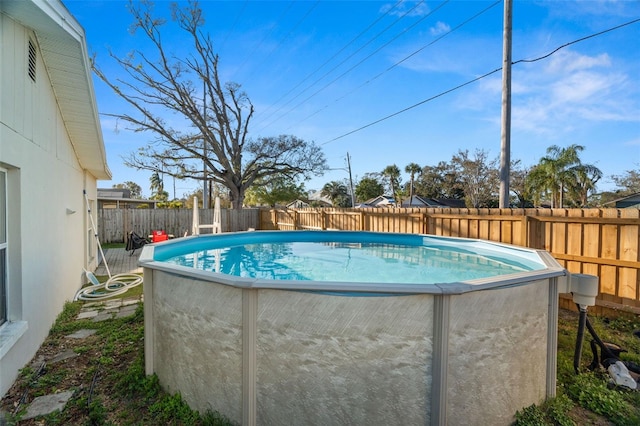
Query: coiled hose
x,y
114,286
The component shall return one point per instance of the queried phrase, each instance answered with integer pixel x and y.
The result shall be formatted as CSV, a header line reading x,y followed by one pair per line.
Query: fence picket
x,y
115,224
602,242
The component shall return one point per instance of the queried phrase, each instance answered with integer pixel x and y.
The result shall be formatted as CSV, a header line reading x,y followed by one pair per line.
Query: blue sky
x,y
328,71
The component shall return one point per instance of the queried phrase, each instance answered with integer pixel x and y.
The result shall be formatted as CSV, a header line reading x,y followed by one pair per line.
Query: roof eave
x,y
64,51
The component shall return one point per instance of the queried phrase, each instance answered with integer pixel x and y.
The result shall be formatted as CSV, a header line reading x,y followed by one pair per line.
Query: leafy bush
x,y
531,416
591,392
553,412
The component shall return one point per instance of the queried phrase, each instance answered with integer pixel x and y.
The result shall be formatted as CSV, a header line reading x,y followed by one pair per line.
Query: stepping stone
x,y
103,316
125,313
92,304
113,304
87,314
81,334
130,308
62,356
47,404
36,364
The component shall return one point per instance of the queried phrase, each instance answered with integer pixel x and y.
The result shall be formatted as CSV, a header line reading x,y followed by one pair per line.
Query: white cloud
x,y
439,28
570,61
574,91
421,9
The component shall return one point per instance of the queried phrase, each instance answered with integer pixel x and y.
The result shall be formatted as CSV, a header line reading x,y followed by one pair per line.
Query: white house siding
x,y
49,236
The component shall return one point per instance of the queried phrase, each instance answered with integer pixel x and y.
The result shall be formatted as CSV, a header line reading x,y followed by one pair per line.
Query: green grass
x,y
589,396
107,377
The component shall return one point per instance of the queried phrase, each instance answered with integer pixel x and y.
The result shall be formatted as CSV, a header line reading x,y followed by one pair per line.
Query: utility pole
x,y
505,146
353,197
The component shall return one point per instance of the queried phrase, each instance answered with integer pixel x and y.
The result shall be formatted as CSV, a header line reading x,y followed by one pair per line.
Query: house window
x,y
3,247
32,61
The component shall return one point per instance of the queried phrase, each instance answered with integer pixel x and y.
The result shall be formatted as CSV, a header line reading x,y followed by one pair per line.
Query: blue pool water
x,y
340,256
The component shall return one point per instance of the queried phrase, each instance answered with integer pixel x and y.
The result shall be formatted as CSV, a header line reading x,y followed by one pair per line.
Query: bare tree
x,y
440,181
206,136
629,182
518,183
479,177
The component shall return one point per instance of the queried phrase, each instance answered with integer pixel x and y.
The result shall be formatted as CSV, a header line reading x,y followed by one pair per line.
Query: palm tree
x,y
555,172
156,185
392,173
413,169
584,180
336,192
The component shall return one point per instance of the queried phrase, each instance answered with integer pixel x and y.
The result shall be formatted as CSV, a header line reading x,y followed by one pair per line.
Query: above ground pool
x,y
332,327
349,257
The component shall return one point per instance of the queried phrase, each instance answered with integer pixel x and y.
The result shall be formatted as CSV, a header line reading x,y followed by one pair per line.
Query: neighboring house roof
x,y
120,198
62,42
317,196
417,201
380,201
630,201
297,204
451,202
114,193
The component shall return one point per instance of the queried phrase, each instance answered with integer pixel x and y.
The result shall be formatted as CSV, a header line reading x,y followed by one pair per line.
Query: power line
x,y
364,59
280,18
405,58
415,105
335,55
342,62
577,41
233,27
306,15
477,79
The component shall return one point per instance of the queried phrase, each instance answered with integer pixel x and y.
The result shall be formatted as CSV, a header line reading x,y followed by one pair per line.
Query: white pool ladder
x,y
216,226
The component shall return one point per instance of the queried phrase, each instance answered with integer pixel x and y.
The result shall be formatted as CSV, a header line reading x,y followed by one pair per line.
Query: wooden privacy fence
x,y
115,224
602,242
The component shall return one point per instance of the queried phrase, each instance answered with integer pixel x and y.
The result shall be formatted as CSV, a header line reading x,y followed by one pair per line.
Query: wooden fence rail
x,y
602,242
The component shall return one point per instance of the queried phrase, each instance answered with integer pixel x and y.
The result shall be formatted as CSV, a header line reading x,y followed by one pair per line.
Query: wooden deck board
x,y
119,261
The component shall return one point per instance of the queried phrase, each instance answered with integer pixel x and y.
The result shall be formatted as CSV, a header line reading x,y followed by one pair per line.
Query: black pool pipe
x,y
582,320
608,355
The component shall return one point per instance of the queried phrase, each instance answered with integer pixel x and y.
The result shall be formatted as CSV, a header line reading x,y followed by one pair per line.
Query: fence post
x,y
425,223
525,230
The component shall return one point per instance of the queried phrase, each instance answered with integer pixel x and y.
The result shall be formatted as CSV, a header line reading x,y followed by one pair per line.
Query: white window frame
x,y
13,328
4,249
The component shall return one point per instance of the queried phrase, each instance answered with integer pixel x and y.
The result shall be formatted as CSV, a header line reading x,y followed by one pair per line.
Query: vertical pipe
x,y
149,321
440,359
505,147
249,366
577,354
552,338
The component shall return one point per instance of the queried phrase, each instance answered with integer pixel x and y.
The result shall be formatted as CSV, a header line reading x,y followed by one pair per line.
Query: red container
x,y
159,236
